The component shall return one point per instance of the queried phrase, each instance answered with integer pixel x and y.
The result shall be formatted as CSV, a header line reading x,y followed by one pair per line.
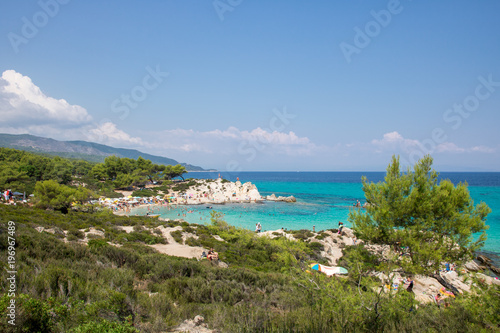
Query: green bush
x,y
191,241
149,192
31,315
177,235
185,185
302,234
105,326
321,236
75,233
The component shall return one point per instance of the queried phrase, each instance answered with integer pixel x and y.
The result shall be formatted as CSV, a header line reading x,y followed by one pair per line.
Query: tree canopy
x,y
21,170
124,172
430,221
52,195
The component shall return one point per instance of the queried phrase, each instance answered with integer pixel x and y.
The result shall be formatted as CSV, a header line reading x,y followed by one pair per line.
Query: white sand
x,y
173,248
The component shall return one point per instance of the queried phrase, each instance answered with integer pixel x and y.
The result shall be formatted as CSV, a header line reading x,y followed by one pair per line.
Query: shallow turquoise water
x,y
323,199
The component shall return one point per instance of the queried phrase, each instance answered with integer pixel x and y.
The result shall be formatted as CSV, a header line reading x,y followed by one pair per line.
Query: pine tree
x,y
425,221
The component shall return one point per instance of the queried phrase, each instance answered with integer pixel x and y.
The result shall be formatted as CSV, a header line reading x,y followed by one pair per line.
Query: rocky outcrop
x,y
489,264
473,266
196,325
447,285
273,197
456,281
219,191
488,279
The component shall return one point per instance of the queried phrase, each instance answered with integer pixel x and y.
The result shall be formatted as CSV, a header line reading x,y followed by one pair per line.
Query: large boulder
x,y
488,279
348,232
456,281
271,197
473,266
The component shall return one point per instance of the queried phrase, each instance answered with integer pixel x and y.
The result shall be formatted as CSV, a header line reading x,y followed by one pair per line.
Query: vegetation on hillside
x,y
21,171
73,287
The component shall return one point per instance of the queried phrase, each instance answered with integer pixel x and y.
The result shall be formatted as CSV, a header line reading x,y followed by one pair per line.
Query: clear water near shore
x,y
323,199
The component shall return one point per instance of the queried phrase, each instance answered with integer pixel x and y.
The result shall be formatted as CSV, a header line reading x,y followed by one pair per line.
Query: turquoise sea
x,y
323,199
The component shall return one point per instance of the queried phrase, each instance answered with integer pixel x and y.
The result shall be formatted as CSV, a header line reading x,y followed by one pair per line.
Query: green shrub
x,y
177,235
31,315
321,236
316,246
76,234
185,185
191,241
149,192
105,326
94,236
302,234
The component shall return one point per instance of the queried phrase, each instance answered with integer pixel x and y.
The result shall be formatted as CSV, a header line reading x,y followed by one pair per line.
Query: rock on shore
x,y
273,197
218,191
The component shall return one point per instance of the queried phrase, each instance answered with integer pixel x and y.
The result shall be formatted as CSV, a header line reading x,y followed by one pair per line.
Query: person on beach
x,y
438,300
212,255
341,225
259,227
410,286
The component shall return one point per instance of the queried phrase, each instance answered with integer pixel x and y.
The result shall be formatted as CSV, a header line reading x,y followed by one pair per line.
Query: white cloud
x,y
25,109
231,140
449,147
23,103
483,149
395,141
111,134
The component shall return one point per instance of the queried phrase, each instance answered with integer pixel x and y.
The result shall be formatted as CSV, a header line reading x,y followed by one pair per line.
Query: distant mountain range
x,y
84,150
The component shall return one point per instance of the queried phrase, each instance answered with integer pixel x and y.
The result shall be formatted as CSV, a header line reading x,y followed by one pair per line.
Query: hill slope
x,y
88,151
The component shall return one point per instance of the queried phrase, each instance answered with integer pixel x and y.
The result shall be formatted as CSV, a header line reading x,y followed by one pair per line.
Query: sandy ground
x,y
173,248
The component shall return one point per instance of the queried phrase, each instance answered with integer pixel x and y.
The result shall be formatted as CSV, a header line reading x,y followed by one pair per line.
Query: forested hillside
x,y
21,171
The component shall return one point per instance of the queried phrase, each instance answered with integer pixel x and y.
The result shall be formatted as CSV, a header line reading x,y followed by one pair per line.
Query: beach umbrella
x,y
328,270
316,267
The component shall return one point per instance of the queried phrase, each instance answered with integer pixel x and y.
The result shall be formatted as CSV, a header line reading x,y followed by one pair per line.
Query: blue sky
x,y
256,85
